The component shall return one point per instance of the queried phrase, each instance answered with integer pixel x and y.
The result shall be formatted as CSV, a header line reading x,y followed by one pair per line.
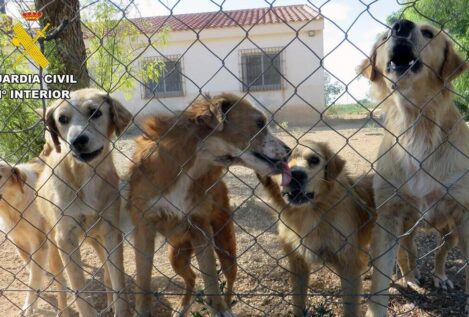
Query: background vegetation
x,y
110,64
21,135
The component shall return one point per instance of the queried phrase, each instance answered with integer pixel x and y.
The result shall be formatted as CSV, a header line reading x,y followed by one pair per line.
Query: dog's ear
x,y
210,113
334,165
18,178
120,116
51,126
453,64
47,148
367,67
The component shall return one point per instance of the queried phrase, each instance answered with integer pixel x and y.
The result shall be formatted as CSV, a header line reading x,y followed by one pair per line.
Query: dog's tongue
x,y
286,174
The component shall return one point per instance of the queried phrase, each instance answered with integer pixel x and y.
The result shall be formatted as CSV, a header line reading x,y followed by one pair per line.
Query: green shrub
x,y
21,135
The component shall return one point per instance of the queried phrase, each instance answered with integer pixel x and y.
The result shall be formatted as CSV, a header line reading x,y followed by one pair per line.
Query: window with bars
x,y
261,69
169,82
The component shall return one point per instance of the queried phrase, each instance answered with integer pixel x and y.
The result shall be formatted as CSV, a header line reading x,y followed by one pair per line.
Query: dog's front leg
x,y
385,241
144,245
69,248
351,282
37,265
407,260
299,277
98,246
115,268
56,267
441,280
202,241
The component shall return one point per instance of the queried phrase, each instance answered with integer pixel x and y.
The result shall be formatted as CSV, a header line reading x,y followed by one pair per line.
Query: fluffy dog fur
x,y
326,217
78,192
176,189
26,228
423,174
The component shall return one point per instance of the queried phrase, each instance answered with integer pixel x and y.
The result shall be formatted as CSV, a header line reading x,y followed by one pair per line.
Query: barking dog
x,y
423,175
176,188
78,193
325,217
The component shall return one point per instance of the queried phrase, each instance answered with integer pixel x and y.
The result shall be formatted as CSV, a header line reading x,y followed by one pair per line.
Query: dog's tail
x,y
273,189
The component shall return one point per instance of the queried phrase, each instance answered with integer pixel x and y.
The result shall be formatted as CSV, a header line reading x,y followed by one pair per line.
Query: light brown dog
x,y
26,228
78,189
422,166
325,216
176,189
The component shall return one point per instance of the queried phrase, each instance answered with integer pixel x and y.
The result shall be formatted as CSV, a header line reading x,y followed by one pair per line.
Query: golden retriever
x,y
78,189
423,160
26,228
176,187
325,216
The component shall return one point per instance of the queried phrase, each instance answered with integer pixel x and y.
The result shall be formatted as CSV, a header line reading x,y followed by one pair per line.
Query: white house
x,y
271,54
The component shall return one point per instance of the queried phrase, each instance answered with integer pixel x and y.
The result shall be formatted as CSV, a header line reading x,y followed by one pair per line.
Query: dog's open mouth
x,y
403,59
298,197
86,157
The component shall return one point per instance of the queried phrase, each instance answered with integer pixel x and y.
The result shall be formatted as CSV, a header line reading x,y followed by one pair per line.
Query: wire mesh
x,y
177,223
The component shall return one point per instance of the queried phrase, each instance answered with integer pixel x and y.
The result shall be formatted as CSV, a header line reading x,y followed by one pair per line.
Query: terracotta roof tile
x,y
220,19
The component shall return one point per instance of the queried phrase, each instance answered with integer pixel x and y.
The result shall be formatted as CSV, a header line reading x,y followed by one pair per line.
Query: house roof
x,y
221,19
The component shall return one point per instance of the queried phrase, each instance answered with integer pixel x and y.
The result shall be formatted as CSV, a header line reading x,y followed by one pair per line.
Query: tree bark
x,y
2,6
69,46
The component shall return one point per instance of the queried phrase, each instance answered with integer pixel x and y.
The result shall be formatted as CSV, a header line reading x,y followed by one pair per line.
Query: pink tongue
x,y
286,174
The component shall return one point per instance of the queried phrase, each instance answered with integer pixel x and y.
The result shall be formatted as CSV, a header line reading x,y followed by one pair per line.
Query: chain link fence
x,y
137,231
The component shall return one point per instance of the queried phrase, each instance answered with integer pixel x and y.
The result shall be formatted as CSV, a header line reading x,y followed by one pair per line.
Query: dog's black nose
x,y
80,142
298,177
402,28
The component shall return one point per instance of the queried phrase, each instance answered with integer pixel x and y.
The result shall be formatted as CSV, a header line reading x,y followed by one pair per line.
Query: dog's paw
x,y
443,282
376,310
413,283
370,313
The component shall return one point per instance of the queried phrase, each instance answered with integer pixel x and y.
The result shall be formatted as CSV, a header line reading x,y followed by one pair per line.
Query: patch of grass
x,y
349,109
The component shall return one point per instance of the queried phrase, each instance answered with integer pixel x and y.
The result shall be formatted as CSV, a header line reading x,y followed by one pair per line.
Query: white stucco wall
x,y
207,73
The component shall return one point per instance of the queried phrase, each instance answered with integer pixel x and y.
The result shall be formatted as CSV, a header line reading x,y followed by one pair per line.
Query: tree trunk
x,y
69,47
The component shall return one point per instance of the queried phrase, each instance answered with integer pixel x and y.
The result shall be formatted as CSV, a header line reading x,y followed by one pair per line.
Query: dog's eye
x,y
313,160
95,113
63,119
427,34
260,123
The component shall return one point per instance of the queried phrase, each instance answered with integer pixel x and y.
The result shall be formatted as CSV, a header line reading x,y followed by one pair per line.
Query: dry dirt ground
x,y
262,285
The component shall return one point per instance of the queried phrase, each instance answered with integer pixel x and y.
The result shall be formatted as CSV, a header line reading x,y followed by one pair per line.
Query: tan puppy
x,y
325,217
26,228
78,192
176,187
422,166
